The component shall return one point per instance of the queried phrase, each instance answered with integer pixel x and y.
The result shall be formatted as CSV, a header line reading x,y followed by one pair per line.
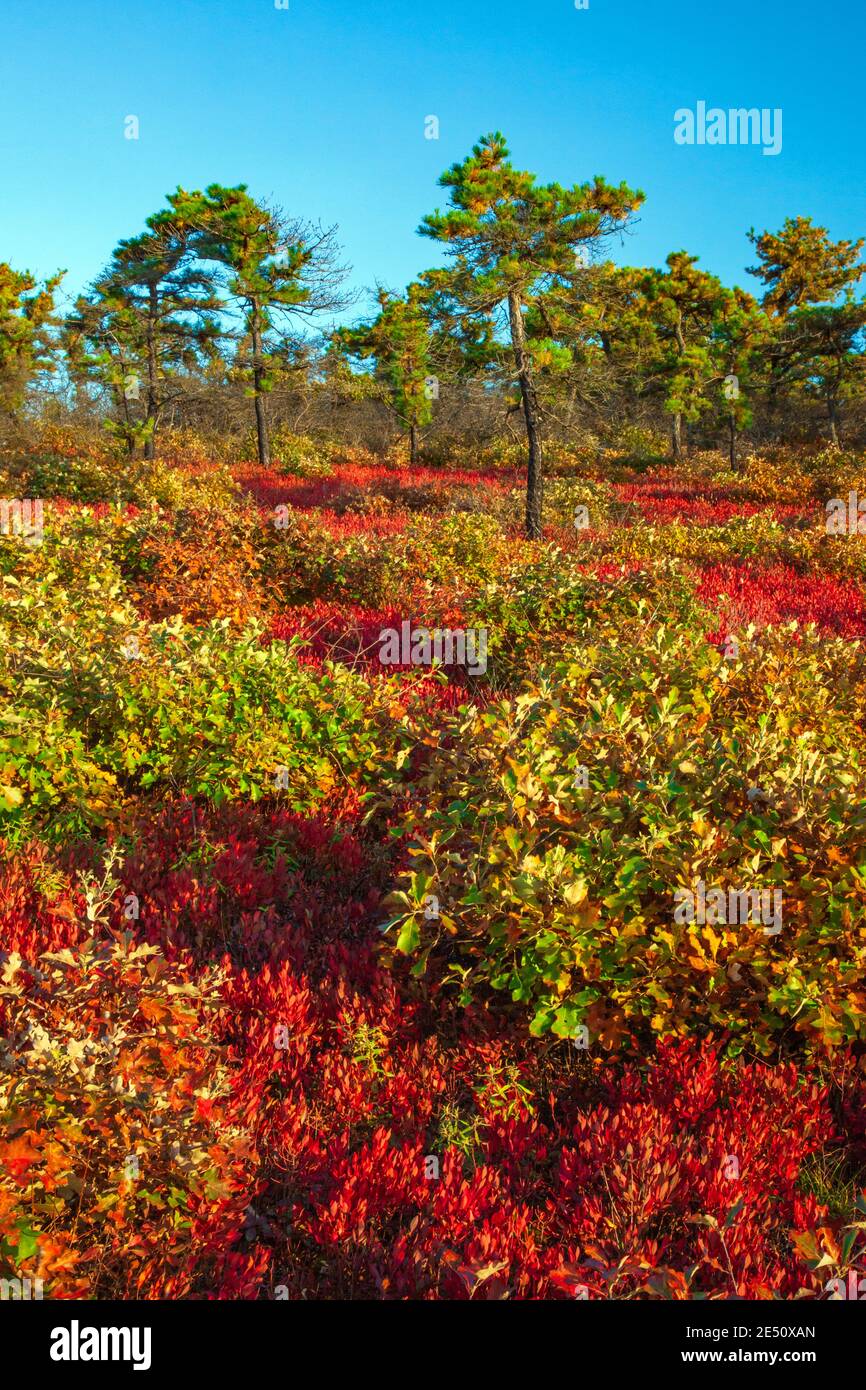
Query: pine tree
x,y
679,306
576,330
397,342
148,319
741,333
26,317
800,265
275,269
804,271
828,355
509,239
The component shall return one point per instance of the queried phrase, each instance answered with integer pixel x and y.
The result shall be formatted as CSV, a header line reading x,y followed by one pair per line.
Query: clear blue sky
x,y
322,107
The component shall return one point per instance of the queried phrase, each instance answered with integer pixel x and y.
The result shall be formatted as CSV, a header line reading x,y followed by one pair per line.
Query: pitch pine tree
x,y
274,268
397,342
680,304
800,265
509,238
26,316
146,322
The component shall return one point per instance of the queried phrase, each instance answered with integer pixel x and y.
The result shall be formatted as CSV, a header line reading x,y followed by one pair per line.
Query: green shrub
x,y
554,829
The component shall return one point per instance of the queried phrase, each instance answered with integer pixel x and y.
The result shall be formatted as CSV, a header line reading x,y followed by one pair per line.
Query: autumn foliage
x,y
240,1058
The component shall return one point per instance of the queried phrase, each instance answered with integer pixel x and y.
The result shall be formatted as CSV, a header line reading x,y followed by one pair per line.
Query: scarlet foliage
x,y
350,634
271,487
98,510
227,1069
601,1182
339,632
779,594
342,1131
665,497
341,525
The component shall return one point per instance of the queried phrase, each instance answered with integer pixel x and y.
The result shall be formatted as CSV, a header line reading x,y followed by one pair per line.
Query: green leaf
x,y
409,937
28,1245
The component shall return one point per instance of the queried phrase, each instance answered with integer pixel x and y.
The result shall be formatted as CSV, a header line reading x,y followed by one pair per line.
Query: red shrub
x,y
665,498
376,1142
781,594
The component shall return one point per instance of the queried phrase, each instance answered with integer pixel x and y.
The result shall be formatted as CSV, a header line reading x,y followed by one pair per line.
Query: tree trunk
x,y
677,437
534,476
832,417
153,311
262,431
258,393
733,442
123,402
677,426
413,445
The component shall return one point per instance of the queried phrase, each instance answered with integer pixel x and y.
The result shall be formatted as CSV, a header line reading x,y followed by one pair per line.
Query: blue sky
x,y
321,108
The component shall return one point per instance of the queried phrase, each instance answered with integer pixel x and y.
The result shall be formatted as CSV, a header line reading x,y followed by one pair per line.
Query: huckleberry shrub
x,y
421,647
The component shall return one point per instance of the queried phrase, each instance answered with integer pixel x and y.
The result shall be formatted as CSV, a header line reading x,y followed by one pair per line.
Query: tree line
x,y
222,297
